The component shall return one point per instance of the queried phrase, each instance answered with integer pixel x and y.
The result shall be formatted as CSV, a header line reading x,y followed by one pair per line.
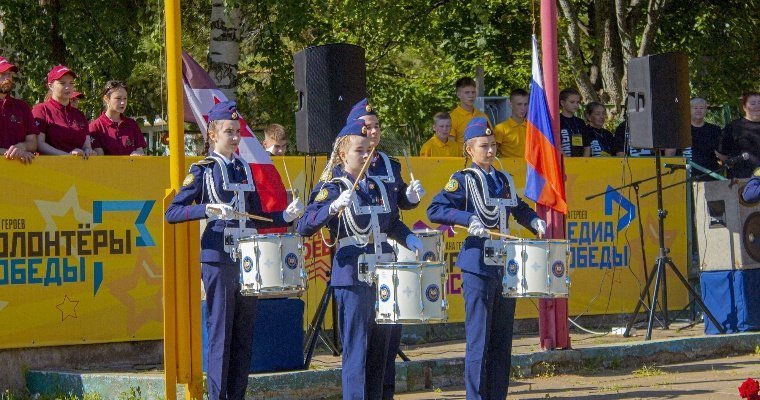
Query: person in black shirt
x,y
705,139
743,136
572,129
602,143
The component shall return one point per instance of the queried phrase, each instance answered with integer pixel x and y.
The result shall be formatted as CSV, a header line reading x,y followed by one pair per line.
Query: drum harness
x,y
231,235
491,211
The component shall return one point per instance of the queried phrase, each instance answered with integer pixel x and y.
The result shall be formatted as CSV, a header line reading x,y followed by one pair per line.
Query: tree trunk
x,y
574,55
224,47
609,52
57,44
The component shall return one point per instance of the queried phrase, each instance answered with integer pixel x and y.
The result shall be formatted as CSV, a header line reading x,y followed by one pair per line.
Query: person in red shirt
x,y
63,128
113,133
75,97
18,133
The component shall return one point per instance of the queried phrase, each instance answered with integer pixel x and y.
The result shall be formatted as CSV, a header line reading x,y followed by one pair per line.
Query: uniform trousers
x,y
488,330
365,343
394,342
229,321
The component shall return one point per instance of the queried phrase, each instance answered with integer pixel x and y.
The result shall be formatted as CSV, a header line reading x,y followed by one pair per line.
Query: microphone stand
x,y
635,186
662,261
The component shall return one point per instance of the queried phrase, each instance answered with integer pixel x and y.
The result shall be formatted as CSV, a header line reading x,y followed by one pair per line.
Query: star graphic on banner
x,y
140,291
69,202
68,308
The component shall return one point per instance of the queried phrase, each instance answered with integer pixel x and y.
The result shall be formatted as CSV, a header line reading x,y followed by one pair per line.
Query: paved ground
x,y
707,379
524,344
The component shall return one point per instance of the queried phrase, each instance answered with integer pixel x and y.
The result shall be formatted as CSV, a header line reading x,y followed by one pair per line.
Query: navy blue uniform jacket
x,y
190,204
452,206
317,215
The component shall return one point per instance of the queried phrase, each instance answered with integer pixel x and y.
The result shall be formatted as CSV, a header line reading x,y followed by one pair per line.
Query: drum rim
x,y
412,264
267,235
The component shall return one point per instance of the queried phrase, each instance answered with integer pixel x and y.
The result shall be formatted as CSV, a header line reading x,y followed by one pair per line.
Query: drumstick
x,y
251,216
408,165
494,233
361,173
287,176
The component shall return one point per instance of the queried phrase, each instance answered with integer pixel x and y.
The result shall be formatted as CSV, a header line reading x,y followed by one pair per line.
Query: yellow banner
x,y
80,243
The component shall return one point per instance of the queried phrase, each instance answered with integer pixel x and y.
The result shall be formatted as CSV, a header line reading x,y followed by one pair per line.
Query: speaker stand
x,y
659,273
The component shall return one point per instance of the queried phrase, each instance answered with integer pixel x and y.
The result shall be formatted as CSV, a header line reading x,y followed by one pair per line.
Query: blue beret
x,y
224,111
477,127
355,127
359,110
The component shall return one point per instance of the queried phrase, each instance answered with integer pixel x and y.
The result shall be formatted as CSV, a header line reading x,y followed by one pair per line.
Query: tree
x,y
601,36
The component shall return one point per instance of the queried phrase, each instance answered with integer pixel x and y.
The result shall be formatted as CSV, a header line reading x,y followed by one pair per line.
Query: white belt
x,y
360,241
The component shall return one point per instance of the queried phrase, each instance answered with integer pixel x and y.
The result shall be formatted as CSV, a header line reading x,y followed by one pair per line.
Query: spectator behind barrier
x,y
467,92
510,134
705,139
572,129
441,144
75,97
18,132
743,136
113,133
602,143
275,140
63,128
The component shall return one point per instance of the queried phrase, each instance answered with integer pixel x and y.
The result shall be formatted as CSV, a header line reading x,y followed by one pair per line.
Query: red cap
x,y
6,65
77,95
58,71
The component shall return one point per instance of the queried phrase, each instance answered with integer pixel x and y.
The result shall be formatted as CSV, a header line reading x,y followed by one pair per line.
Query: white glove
x,y
414,243
341,202
293,211
539,225
477,228
223,211
414,191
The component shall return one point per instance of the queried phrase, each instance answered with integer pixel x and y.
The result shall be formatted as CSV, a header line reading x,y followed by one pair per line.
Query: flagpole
x,y
552,321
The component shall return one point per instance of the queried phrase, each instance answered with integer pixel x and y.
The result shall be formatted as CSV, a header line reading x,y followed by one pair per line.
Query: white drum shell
x,y
432,244
411,293
272,265
536,268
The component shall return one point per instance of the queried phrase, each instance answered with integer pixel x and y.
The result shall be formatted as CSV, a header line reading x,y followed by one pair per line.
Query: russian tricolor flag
x,y
544,183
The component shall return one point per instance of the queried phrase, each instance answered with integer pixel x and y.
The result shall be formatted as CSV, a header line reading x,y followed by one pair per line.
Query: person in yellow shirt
x,y
441,145
467,92
510,134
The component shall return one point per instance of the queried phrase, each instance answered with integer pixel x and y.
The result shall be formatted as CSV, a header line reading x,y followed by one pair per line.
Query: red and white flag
x,y
201,94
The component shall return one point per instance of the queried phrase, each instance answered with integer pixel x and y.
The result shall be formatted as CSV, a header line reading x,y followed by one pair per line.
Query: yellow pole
x,y
179,348
174,93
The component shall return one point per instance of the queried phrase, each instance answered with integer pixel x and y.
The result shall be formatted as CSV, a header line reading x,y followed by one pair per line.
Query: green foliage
x,y
415,50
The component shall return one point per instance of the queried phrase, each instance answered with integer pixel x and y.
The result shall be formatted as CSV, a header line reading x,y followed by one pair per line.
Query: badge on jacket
x,y
188,180
322,195
452,185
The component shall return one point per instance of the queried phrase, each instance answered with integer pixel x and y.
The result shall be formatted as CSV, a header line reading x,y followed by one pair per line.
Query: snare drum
x,y
536,268
411,293
272,265
432,245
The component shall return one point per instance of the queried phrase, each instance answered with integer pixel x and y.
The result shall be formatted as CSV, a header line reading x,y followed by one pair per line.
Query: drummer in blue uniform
x,y
388,169
480,198
369,216
220,188
751,193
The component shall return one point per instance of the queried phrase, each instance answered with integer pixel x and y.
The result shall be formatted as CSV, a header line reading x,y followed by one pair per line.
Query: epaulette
x,y
201,163
205,161
756,173
394,160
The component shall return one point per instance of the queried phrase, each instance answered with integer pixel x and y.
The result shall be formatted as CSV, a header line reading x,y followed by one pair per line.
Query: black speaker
x,y
329,80
658,109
